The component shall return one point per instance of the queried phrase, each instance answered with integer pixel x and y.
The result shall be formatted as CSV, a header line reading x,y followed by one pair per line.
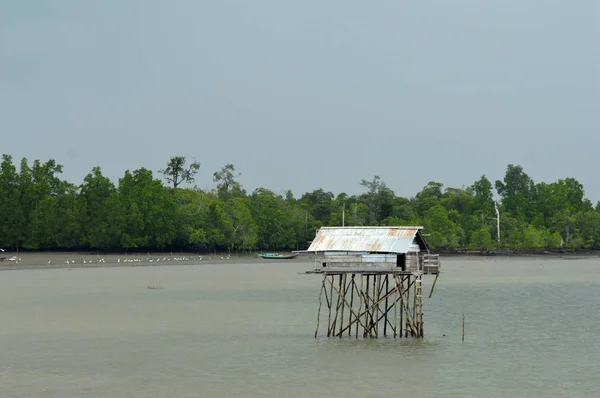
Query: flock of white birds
x,y
146,259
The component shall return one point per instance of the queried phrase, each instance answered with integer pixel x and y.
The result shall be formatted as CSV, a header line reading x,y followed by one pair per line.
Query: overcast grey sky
x,y
306,94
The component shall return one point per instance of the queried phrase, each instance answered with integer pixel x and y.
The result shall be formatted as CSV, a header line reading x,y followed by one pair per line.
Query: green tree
x,y
147,211
428,197
226,183
481,239
272,225
97,211
178,172
242,231
441,228
517,191
12,222
319,203
378,199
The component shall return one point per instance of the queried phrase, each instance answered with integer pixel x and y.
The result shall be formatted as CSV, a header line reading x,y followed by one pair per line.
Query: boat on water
x,y
277,256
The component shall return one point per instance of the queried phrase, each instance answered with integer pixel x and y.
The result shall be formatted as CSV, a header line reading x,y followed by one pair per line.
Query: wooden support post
x,y
385,322
320,303
337,307
367,306
401,293
376,300
352,286
406,304
360,301
372,324
433,286
356,316
395,309
343,295
330,305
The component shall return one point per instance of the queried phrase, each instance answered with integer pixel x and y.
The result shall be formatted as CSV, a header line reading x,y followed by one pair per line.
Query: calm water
x,y
532,329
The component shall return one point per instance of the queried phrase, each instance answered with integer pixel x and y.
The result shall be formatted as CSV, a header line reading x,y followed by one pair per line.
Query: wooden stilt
x,y
360,302
320,303
367,306
406,304
433,285
343,295
337,307
401,294
395,311
330,305
385,322
373,307
371,310
352,287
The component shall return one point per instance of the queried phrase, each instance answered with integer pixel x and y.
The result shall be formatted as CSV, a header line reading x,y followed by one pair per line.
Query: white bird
x,y
2,250
200,258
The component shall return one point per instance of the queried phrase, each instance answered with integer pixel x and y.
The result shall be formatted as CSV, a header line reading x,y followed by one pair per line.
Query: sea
x,y
242,328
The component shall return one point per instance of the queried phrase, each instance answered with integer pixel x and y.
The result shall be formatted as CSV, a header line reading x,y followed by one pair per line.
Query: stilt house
x,y
373,249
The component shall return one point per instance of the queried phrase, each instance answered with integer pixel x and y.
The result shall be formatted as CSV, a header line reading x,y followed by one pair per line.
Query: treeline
x,y
40,211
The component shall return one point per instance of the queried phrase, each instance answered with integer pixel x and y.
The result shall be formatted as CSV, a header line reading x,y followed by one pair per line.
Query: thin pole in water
x,y
463,327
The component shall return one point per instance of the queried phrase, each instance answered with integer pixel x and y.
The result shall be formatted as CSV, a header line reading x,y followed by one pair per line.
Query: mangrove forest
x,y
146,211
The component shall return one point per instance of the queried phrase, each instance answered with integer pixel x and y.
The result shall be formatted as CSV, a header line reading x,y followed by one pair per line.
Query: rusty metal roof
x,y
366,239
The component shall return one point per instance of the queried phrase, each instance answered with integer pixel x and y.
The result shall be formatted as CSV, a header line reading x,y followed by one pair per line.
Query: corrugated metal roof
x,y
369,239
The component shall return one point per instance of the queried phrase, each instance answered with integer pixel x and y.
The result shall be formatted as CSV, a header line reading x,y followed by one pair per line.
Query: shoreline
x,y
87,260
549,253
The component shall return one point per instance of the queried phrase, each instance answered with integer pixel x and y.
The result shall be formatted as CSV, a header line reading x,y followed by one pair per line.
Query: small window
x,y
324,265
401,261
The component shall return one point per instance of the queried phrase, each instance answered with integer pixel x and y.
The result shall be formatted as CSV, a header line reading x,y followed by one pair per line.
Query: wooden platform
x,y
363,270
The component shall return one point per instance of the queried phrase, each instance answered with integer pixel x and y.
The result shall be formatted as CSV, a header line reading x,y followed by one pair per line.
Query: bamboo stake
x,y
415,331
320,303
367,306
352,285
370,310
382,316
360,301
343,285
357,317
330,304
377,310
408,313
337,307
463,327
416,304
374,294
386,305
409,318
433,286
401,292
395,310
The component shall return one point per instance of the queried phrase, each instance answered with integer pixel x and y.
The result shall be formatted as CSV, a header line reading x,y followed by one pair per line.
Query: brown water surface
x,y
245,328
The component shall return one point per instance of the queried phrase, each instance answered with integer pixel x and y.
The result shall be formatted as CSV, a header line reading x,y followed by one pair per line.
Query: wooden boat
x,y
276,256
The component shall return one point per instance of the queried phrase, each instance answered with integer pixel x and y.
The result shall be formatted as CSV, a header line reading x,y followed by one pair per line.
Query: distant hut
x,y
362,249
368,275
